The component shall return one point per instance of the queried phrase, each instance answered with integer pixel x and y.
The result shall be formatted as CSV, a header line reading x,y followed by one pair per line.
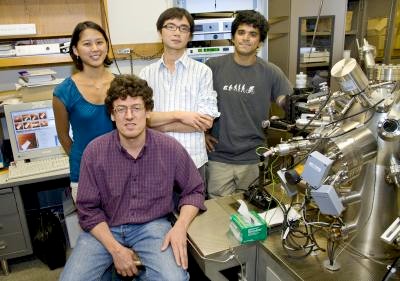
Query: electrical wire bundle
x,y
298,237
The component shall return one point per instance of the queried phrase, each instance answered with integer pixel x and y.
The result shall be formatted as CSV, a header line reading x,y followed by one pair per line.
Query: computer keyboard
x,y
25,169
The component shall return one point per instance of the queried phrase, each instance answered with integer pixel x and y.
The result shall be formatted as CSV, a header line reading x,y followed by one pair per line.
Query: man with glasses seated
x,y
185,103
126,193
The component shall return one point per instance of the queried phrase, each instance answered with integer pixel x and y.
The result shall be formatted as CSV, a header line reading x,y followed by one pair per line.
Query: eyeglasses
x,y
182,28
121,110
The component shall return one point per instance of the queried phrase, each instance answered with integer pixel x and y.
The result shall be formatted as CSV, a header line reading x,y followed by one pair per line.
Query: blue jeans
x,y
90,260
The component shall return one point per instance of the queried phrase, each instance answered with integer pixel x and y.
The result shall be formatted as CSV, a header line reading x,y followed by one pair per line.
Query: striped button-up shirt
x,y
188,88
118,189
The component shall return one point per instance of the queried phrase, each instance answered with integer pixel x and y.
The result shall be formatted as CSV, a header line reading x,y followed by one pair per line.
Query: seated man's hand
x,y
200,122
210,142
177,238
124,262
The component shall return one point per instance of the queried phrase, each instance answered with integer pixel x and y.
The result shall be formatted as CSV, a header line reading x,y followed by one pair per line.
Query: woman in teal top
x,y
79,100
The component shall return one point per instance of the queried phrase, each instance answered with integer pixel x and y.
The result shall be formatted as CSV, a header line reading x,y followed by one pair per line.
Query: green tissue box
x,y
248,231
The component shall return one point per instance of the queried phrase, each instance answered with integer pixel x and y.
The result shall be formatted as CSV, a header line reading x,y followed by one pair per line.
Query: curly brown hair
x,y
129,85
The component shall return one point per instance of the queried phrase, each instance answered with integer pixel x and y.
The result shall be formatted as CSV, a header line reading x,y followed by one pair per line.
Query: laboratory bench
x,y
215,249
274,264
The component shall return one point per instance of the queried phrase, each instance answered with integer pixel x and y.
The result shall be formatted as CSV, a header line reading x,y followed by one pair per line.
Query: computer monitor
x,y
32,130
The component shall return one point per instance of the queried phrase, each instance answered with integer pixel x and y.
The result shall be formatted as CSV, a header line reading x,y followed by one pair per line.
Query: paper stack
x,y
40,77
275,216
7,50
37,85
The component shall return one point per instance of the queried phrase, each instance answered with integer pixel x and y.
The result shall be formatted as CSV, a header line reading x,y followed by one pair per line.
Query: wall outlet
x,y
125,51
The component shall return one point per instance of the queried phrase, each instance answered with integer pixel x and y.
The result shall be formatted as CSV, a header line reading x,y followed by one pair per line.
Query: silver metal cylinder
x,y
378,206
384,73
350,76
301,123
356,148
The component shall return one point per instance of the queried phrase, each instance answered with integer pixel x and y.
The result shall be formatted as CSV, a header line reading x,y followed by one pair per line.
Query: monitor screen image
x,y
32,130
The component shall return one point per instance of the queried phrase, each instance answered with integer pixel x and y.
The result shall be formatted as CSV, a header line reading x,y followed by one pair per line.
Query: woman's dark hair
x,y
254,19
76,34
129,85
174,13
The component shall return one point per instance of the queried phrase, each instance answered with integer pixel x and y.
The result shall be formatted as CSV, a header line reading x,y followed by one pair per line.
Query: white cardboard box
x,y
41,49
17,29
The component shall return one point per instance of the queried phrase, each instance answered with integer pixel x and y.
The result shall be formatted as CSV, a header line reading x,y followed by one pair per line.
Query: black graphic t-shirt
x,y
245,94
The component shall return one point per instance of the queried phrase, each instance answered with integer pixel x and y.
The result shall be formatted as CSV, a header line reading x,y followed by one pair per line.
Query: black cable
x,y
131,62
305,156
149,57
103,8
336,121
335,136
355,114
310,231
391,270
251,183
317,114
319,139
310,151
293,233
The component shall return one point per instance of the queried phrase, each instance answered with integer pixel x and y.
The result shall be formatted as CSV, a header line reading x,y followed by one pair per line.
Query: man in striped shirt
x,y
185,103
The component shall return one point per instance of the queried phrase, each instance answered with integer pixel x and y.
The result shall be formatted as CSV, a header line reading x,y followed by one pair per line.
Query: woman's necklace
x,y
98,85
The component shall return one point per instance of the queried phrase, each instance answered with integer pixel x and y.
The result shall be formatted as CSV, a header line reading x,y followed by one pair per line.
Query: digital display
x,y
32,130
211,50
35,129
198,28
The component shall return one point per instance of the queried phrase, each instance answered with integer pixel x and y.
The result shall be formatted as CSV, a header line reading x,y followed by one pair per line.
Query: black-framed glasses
x,y
182,28
123,109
